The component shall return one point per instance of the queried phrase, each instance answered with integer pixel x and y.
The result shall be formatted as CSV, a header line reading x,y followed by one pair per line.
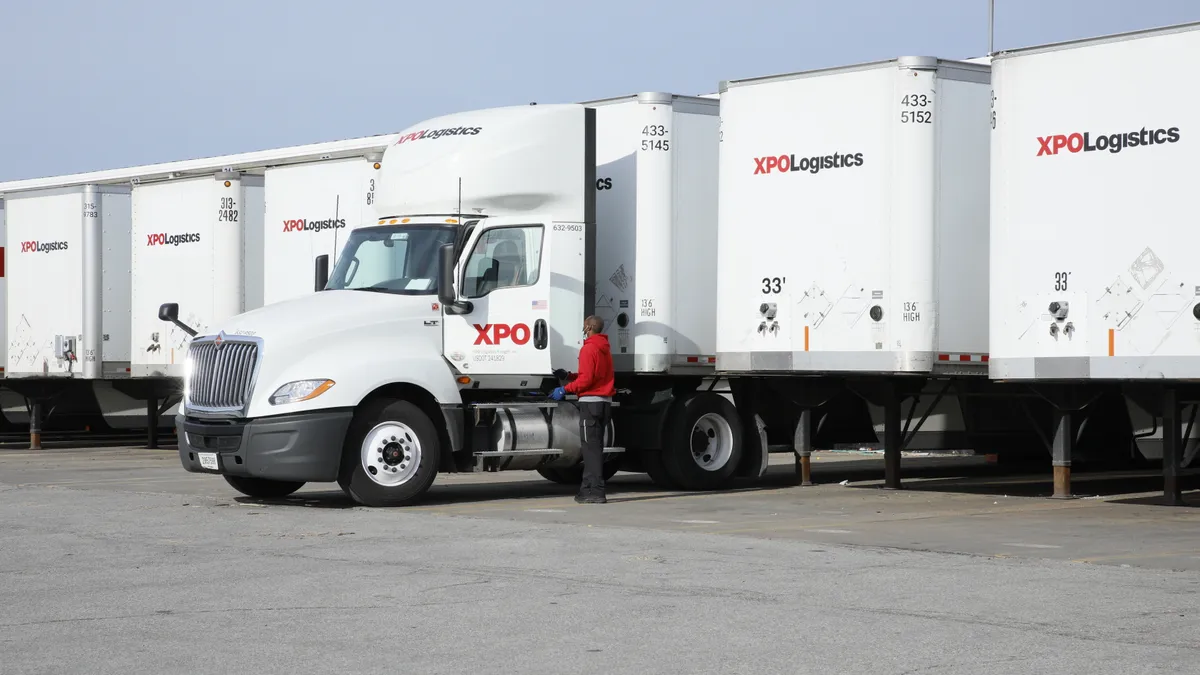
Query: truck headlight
x,y
301,390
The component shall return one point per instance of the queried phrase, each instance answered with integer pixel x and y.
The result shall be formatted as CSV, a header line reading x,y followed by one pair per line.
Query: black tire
x,y
719,430
573,475
261,488
656,468
421,439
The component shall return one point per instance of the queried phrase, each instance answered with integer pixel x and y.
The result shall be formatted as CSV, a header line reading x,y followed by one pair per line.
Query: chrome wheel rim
x,y
391,454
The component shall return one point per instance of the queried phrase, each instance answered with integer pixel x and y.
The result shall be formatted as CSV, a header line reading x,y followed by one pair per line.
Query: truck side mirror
x,y
445,282
169,312
321,272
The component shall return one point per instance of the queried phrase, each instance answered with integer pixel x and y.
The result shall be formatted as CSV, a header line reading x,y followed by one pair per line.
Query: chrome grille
x,y
222,374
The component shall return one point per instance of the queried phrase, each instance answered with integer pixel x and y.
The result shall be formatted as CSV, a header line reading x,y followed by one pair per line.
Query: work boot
x,y
589,494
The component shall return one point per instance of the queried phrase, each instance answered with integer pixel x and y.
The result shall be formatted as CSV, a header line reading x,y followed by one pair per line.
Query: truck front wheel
x,y
261,488
391,454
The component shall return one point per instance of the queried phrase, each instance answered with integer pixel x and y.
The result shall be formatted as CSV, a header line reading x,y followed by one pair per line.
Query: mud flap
x,y
755,454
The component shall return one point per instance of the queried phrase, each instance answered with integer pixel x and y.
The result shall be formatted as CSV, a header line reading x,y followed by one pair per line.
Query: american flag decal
x,y
540,304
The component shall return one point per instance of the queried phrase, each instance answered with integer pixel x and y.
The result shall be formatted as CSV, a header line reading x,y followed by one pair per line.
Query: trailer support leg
x,y
1171,455
802,444
1061,450
152,423
35,425
893,441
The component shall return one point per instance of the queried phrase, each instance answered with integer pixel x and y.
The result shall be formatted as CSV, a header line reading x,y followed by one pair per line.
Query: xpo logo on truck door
x,y
42,246
1114,143
494,333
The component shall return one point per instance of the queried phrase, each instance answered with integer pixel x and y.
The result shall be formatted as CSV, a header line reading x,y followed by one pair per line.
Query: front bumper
x,y
304,447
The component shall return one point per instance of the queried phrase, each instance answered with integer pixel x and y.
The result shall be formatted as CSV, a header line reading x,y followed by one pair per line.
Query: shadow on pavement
x,y
946,475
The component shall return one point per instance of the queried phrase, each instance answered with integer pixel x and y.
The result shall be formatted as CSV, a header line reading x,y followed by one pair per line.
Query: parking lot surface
x,y
115,560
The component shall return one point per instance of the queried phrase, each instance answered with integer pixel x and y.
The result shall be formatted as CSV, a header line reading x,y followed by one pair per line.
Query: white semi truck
x,y
433,345
1094,295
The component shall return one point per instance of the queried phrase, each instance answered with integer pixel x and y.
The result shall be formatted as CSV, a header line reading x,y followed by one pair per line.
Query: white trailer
x,y
66,324
12,405
853,253
57,325
197,242
3,288
1093,218
180,225
434,344
311,209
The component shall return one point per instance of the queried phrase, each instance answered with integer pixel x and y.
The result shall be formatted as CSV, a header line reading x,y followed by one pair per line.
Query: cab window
x,y
504,257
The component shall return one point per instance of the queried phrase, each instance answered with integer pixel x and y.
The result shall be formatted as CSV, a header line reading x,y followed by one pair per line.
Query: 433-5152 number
x,y
916,116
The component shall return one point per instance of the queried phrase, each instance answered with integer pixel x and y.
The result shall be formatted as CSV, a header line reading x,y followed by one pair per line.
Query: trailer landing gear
x,y
35,424
1061,450
1172,451
802,443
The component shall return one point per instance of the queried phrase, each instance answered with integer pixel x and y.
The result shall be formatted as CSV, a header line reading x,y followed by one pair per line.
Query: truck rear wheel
x,y
261,488
702,445
391,454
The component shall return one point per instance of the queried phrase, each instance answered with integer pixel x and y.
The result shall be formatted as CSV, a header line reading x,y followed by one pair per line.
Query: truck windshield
x,y
391,259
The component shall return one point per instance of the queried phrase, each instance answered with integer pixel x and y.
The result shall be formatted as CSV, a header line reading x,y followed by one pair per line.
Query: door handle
x,y
539,334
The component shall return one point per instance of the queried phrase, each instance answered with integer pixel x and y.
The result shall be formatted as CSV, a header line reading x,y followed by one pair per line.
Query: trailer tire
x,y
702,446
656,468
391,454
573,475
261,488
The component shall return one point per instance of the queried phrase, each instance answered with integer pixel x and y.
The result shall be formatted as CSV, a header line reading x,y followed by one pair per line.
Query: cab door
x,y
503,279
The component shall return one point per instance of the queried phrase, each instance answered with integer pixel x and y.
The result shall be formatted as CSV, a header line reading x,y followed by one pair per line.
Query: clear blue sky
x,y
96,85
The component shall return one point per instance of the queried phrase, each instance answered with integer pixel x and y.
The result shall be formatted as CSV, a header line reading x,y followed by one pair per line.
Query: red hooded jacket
x,y
595,376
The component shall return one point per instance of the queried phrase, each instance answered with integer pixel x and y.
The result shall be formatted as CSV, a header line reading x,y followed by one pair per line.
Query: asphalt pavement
x,y
116,561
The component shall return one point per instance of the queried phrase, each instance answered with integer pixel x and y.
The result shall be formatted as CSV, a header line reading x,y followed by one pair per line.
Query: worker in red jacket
x,y
595,387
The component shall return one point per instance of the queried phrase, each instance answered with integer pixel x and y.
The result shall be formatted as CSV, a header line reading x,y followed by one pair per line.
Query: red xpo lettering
x,y
492,334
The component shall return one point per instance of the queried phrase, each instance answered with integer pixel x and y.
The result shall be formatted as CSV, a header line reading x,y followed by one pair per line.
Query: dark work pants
x,y
593,420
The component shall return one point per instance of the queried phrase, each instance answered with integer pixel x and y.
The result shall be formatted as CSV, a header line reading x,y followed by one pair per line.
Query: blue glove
x,y
558,394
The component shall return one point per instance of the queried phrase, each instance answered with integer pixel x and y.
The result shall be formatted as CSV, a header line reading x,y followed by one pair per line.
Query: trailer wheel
x,y
703,442
573,475
391,454
261,488
656,468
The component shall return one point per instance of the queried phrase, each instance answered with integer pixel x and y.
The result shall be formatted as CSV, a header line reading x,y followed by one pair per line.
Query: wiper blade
x,y
373,289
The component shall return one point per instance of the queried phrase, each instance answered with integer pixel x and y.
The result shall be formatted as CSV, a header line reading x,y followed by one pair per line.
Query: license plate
x,y
208,460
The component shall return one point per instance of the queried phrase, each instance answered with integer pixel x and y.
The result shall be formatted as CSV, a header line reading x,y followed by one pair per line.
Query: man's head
x,y
593,325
